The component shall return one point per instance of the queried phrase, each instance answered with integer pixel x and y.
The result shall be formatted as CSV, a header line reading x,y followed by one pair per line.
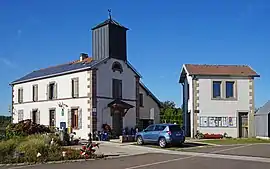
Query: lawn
x,y
235,141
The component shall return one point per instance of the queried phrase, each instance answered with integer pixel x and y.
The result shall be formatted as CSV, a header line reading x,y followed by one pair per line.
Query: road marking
x,y
156,163
232,148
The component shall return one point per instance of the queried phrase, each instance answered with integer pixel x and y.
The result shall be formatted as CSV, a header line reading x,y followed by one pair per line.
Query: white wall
x,y
105,75
63,95
148,104
216,108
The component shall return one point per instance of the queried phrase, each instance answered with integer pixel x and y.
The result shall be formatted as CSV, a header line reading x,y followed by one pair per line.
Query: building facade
x,y
89,92
262,121
218,99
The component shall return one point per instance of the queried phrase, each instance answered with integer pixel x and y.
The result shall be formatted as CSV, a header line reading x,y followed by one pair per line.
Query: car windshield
x,y
175,128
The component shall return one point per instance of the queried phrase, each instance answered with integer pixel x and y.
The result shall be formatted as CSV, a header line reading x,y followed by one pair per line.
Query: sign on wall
x,y
206,121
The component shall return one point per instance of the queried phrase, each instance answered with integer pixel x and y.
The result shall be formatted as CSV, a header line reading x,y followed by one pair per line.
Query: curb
x,y
51,162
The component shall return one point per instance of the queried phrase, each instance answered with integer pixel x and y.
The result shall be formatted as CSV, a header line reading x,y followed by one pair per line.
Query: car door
x,y
147,133
156,133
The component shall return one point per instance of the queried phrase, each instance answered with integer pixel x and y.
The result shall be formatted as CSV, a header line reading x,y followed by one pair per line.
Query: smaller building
x,y
262,121
218,99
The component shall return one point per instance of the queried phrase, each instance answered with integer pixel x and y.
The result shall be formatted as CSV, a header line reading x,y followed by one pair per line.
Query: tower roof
x,y
107,22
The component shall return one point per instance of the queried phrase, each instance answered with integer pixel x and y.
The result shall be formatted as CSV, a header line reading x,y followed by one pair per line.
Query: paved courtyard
x,y
224,157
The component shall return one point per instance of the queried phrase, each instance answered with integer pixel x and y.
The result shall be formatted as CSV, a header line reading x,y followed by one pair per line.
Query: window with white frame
x,y
75,87
20,95
20,115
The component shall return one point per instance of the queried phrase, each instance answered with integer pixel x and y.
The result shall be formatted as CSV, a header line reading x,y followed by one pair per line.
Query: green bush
x,y
25,128
31,147
7,149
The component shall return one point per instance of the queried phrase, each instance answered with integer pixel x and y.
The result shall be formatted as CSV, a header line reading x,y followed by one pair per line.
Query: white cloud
x,y
7,62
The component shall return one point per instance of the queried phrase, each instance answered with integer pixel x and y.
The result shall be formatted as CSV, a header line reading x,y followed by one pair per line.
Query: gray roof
x,y
64,69
265,109
56,70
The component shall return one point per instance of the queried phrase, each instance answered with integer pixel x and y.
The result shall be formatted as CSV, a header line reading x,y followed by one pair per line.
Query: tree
x,y
170,113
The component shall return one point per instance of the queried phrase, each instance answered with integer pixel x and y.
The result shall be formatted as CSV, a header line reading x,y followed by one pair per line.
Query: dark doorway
x,y
117,122
34,116
146,122
243,124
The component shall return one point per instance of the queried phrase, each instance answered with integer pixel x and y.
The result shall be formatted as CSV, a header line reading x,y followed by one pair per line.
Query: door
x,y
156,133
243,124
147,134
117,122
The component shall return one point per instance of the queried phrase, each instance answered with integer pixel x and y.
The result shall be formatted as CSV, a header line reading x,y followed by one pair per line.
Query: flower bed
x,y
32,149
212,136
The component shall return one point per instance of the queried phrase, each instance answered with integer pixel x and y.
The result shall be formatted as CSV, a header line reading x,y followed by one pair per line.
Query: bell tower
x,y
109,40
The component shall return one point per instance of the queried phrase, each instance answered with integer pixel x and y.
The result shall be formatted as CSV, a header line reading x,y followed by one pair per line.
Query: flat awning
x,y
117,103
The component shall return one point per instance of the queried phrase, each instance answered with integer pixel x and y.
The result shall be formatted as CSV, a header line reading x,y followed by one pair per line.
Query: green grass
x,y
236,141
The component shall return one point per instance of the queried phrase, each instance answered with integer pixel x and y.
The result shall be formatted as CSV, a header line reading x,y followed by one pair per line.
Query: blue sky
x,y
162,37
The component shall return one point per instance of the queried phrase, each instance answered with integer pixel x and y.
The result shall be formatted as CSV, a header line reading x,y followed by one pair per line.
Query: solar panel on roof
x,y
55,70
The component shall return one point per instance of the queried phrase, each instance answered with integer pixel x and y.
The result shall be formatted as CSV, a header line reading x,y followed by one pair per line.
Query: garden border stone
x,y
49,162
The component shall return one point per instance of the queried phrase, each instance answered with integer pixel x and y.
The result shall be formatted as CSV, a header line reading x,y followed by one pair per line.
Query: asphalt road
x,y
222,157
158,161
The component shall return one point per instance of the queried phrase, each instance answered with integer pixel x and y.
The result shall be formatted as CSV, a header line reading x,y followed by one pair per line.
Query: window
x,y
20,95
35,93
150,128
141,99
175,128
52,91
117,89
52,118
20,115
74,118
75,87
116,66
34,116
216,89
229,89
159,128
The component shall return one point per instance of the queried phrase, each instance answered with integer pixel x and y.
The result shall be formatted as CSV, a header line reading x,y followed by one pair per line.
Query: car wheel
x,y
139,140
162,142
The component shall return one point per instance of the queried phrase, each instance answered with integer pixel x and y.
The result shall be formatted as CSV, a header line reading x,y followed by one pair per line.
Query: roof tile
x,y
220,70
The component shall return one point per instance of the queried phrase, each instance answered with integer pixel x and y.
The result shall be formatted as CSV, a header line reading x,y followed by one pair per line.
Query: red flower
x,y
83,147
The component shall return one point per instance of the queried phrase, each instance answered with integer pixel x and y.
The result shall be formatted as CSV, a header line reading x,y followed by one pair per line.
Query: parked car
x,y
161,134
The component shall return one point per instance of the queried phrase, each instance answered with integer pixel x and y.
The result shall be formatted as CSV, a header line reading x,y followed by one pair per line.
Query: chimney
x,y
83,56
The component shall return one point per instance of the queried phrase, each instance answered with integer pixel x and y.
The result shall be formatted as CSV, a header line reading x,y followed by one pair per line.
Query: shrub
x,y
7,149
25,128
31,147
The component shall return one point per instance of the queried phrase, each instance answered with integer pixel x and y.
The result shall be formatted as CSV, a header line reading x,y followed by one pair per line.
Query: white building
x,y
89,92
218,99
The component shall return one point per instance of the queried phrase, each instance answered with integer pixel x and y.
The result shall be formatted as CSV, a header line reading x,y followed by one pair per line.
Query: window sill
x,y
225,99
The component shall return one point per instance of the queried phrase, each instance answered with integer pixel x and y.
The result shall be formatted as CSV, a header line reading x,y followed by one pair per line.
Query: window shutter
x,y
80,119
55,91
36,93
48,91
77,87
120,89
69,118
21,95
38,117
54,118
31,115
72,87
